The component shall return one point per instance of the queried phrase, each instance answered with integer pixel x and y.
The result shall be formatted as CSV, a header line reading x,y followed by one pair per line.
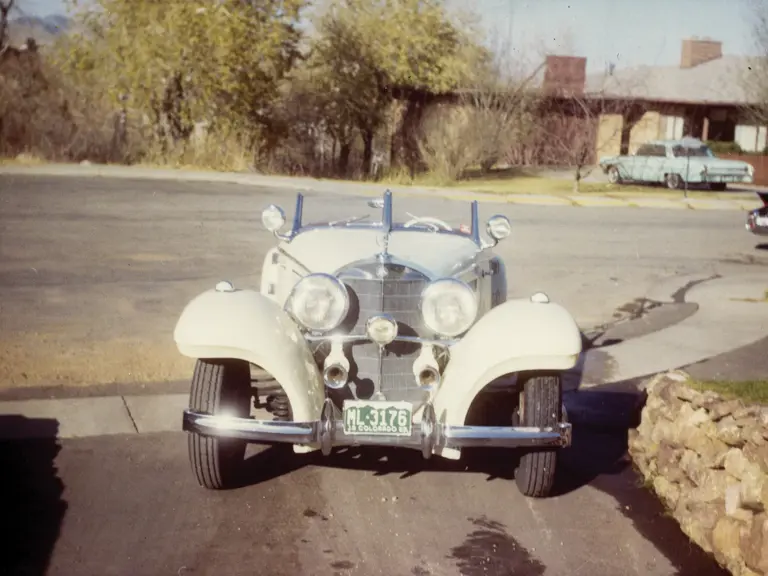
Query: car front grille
x,y
398,295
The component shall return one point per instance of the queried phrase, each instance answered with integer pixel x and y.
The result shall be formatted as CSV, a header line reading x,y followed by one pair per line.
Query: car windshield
x,y
683,151
342,210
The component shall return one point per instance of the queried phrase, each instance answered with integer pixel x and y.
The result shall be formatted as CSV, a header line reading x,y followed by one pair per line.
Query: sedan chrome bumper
x,y
329,432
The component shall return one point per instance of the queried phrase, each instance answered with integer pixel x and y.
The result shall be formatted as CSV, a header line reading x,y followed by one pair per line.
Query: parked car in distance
x,y
757,219
675,163
379,333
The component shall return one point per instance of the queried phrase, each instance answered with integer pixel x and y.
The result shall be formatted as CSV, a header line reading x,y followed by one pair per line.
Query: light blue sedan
x,y
675,162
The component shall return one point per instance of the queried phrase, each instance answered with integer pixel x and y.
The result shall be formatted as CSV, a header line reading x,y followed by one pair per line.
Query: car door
x,y
636,169
653,167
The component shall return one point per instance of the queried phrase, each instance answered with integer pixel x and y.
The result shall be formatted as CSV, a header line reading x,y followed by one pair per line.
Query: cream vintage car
x,y
378,333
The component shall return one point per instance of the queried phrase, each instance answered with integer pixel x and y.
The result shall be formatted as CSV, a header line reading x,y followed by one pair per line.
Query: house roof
x,y
725,80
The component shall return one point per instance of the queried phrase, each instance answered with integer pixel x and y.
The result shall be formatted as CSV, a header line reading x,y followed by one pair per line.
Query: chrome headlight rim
x,y
456,284
301,284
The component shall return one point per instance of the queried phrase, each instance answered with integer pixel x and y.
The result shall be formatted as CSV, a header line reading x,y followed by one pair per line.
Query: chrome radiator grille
x,y
398,295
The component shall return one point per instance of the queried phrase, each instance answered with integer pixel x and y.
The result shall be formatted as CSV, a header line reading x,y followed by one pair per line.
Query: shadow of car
x,y
30,492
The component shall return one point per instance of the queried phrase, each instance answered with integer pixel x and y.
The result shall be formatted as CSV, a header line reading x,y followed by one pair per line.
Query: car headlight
x,y
449,307
319,302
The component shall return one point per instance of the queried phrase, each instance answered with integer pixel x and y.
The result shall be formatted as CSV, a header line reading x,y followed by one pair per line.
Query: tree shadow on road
x,y
32,507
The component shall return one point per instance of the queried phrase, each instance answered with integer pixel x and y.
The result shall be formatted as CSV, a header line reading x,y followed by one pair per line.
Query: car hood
x,y
328,250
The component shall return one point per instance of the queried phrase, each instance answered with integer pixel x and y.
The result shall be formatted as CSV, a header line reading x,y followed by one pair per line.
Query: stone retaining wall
x,y
707,460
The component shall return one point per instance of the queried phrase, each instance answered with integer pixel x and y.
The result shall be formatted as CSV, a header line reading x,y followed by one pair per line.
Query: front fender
x,y
516,336
247,325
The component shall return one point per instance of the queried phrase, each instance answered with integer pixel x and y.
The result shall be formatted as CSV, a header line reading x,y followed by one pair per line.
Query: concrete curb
x,y
365,188
100,416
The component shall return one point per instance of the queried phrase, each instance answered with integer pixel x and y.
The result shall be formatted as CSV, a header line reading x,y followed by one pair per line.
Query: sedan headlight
x,y
319,302
449,307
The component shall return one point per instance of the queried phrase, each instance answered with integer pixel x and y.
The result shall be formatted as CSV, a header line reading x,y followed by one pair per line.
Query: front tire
x,y
219,386
540,405
674,181
613,175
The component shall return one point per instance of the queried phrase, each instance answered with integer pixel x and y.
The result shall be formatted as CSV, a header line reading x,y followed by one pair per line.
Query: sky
x,y
623,32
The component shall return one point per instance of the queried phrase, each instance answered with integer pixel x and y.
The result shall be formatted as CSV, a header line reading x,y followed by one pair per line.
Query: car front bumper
x,y
426,435
727,178
760,228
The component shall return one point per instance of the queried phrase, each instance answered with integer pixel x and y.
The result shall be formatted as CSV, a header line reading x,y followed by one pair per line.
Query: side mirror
x,y
498,227
273,218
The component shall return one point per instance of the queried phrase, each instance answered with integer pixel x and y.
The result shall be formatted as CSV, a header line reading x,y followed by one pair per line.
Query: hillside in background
x,y
42,29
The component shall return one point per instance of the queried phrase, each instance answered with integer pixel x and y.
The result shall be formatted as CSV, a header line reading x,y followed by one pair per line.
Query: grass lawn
x,y
751,391
516,181
502,181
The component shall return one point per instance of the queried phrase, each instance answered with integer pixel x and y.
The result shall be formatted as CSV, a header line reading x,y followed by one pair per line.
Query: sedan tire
x,y
674,181
613,175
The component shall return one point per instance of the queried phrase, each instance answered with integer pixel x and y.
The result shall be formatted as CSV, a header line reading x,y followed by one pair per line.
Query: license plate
x,y
761,220
381,418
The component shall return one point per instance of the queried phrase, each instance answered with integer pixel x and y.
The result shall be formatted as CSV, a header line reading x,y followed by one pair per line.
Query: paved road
x,y
94,272
129,506
92,276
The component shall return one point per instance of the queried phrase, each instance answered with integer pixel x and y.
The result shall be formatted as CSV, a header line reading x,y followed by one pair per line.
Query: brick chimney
x,y
697,52
565,75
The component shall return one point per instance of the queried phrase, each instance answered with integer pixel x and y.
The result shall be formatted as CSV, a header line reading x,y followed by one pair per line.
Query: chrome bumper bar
x,y
329,432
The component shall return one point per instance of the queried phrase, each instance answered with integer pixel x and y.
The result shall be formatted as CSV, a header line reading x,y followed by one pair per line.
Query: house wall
x,y
751,138
647,128
608,142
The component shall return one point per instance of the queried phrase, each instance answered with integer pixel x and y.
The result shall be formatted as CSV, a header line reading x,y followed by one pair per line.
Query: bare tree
x,y
488,116
577,124
5,8
755,77
578,130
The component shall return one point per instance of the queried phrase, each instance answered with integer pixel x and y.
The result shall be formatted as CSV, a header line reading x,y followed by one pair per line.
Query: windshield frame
x,y
386,224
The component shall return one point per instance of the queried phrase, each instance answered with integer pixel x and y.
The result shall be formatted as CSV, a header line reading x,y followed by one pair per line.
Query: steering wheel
x,y
428,221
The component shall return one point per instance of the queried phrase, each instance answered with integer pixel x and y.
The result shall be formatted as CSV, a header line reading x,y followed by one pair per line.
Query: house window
x,y
746,137
750,138
673,127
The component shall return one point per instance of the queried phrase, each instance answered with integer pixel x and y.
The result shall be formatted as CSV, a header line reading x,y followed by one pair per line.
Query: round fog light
x,y
381,329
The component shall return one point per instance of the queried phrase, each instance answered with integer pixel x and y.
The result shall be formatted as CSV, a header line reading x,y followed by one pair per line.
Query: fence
x,y
759,162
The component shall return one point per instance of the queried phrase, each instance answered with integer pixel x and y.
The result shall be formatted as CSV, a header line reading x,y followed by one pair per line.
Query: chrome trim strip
x,y
297,214
298,264
475,228
386,212
366,338
425,436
